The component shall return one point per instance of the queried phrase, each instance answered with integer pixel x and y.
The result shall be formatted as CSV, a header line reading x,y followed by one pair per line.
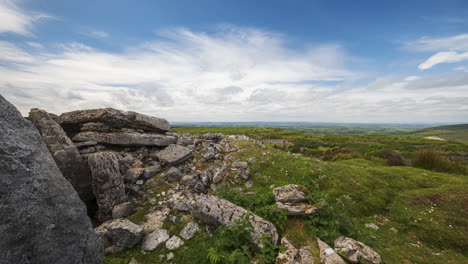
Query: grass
x,y
452,132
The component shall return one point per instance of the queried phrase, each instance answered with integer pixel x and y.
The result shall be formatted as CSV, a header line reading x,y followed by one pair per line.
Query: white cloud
x,y
97,34
452,43
443,57
16,20
36,45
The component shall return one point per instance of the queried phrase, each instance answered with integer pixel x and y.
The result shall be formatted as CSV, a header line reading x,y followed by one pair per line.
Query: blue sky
x,y
325,61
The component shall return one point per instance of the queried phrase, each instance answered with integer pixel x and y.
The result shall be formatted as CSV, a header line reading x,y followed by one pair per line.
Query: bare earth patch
x,y
435,138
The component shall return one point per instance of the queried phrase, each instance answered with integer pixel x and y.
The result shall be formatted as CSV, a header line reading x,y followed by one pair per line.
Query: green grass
x,y
453,132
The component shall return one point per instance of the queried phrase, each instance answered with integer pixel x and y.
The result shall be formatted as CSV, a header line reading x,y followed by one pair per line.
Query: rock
x,y
355,251
173,175
153,240
152,170
240,164
252,160
189,230
174,154
107,182
85,144
327,254
291,193
216,211
155,219
133,174
96,126
208,153
372,226
198,183
122,210
119,233
170,256
126,139
65,154
215,137
133,261
302,209
42,218
174,242
114,118
292,255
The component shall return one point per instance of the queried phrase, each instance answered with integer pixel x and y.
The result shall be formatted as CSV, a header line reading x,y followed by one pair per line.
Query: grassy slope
x,y
453,132
428,209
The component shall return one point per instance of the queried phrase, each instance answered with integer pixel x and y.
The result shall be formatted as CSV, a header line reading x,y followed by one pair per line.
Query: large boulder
x,y
293,255
219,212
293,199
119,234
130,139
65,153
108,184
174,154
355,251
113,118
327,254
42,218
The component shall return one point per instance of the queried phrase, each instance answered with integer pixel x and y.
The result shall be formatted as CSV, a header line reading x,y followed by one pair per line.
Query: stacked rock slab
x,y
65,153
42,219
293,199
107,182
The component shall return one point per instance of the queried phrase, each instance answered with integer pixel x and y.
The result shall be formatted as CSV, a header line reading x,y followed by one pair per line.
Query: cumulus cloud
x,y
16,20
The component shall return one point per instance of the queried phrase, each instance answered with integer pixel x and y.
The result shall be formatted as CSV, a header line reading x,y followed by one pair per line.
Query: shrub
x,y
393,158
436,161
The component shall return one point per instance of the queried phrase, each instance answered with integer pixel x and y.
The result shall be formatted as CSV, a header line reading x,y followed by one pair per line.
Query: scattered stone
x,y
197,183
291,193
133,174
215,137
155,219
301,209
42,218
252,160
126,139
355,251
133,261
107,182
170,256
240,164
65,154
151,171
289,254
216,211
248,184
394,230
114,118
173,175
189,230
118,234
372,226
174,154
153,240
174,242
122,210
327,254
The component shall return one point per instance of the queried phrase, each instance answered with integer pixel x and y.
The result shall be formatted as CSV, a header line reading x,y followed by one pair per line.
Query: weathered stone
x,y
293,255
327,254
216,211
215,137
126,139
155,219
65,154
122,210
372,226
189,230
173,174
153,240
355,251
121,233
42,217
298,208
170,256
198,183
174,154
174,242
291,193
150,171
107,182
133,174
115,118
240,164
97,126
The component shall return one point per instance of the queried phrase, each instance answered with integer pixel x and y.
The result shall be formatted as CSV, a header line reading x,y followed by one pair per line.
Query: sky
x,y
237,60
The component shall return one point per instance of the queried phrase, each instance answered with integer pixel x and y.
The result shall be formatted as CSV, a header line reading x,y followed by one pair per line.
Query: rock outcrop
x,y
126,139
293,199
327,254
115,119
107,182
355,251
293,255
65,154
174,154
217,211
42,219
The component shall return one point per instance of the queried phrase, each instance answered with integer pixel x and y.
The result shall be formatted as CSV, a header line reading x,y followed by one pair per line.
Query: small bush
x,y
436,161
393,158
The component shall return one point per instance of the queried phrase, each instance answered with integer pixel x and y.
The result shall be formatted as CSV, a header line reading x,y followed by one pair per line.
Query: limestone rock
x,y
174,154
302,209
216,211
133,174
215,137
65,153
150,171
122,210
293,255
42,219
240,164
327,254
174,242
189,230
355,251
120,233
126,139
107,182
291,193
114,118
155,219
153,240
173,174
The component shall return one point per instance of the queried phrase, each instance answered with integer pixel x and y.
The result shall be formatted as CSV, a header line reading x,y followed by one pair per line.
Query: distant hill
x,y
454,132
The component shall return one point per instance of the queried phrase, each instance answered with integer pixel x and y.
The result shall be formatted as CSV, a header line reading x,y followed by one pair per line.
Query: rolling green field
x,y
453,132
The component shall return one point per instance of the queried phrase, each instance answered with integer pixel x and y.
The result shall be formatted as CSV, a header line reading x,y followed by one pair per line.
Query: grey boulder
x,y
65,153
355,251
114,118
156,238
42,219
174,154
122,210
293,255
173,174
119,234
291,193
126,139
327,254
189,230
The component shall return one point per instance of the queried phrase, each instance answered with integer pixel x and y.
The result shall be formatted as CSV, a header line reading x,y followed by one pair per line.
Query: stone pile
x,y
293,199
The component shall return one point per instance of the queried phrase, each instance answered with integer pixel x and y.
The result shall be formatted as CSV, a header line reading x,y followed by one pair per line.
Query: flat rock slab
x,y
174,154
327,254
42,218
115,118
127,139
291,193
301,209
120,233
153,240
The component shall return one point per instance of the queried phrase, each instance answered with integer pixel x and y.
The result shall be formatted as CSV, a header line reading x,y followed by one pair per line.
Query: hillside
x,y
452,132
